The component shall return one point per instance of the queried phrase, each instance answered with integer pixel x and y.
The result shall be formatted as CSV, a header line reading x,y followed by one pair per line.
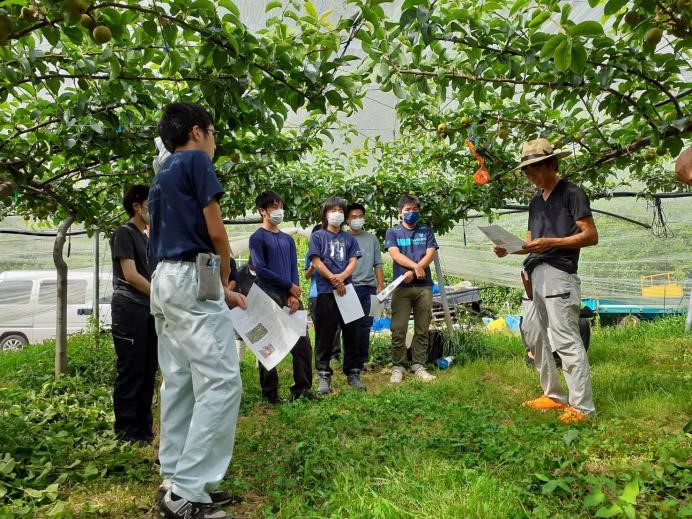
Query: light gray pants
x,y
201,390
555,305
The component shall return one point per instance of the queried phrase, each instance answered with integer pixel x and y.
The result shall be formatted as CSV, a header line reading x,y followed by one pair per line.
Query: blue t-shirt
x,y
275,260
334,249
413,244
313,280
184,185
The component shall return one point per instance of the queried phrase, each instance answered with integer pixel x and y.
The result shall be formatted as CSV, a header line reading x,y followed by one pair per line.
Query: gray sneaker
x,y
182,508
397,376
325,383
355,382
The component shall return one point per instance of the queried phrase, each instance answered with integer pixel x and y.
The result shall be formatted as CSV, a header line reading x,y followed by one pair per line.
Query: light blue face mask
x,y
412,217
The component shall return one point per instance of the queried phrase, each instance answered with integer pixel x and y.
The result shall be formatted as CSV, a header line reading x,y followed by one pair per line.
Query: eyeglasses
x,y
213,132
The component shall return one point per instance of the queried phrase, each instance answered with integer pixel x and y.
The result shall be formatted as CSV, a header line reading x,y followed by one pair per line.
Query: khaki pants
x,y
404,299
555,305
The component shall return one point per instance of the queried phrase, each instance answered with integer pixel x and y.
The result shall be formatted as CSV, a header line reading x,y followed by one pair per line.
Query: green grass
x,y
459,447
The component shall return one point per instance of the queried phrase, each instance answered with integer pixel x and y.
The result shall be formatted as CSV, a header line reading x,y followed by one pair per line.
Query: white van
x,y
28,302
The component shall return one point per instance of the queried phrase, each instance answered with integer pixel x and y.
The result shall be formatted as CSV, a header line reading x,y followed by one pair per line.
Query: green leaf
x,y
550,486
586,28
578,59
570,436
612,511
150,28
272,5
594,3
594,498
629,495
311,9
550,45
563,55
613,6
538,19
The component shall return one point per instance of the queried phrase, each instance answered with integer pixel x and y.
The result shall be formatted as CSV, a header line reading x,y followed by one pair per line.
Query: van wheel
x,y
13,342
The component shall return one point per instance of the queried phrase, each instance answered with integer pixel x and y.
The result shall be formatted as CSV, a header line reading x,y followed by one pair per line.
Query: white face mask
x,y
335,218
276,216
145,217
357,224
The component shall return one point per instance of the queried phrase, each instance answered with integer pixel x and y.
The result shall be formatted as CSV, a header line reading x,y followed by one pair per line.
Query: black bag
x,y
435,347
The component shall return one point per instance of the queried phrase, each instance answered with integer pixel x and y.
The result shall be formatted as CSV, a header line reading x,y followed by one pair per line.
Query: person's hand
x,y
234,299
293,304
420,272
409,276
379,289
500,252
340,290
295,291
539,245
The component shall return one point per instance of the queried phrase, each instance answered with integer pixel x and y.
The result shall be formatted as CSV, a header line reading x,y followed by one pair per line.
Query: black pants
x,y
327,319
336,348
302,365
134,338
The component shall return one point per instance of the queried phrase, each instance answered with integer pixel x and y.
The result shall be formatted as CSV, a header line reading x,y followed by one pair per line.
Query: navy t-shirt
x,y
334,249
182,188
275,260
413,244
557,218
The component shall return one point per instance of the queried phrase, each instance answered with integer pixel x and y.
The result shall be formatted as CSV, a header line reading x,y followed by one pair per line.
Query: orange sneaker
x,y
543,403
571,415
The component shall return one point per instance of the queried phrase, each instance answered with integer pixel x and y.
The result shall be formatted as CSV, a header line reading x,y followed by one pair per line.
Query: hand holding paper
x,y
503,238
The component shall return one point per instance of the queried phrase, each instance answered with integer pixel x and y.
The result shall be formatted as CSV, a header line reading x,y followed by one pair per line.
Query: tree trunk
x,y
61,309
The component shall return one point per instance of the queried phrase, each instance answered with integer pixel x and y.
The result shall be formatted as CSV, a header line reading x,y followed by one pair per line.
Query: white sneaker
x,y
422,374
397,376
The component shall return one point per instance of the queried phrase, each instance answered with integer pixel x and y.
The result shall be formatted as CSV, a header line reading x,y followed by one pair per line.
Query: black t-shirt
x,y
557,218
233,276
128,242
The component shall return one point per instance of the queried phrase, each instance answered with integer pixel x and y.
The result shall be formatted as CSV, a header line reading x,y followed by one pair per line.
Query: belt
x,y
189,258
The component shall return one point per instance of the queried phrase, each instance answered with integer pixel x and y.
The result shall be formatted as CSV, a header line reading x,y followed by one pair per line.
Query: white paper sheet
x,y
299,318
376,307
349,305
266,329
503,238
390,288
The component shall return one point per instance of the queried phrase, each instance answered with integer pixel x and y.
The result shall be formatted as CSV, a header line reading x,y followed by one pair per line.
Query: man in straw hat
x,y
560,224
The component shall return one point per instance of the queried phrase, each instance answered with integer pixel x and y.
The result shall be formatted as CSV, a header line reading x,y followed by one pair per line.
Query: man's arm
x,y
586,237
501,252
219,238
379,275
133,277
352,264
402,260
427,259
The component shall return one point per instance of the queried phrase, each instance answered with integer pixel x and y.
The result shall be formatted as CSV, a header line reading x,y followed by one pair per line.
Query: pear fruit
x,y
102,34
653,36
29,13
87,21
6,26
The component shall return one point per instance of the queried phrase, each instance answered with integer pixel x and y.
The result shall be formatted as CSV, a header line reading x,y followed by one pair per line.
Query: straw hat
x,y
538,150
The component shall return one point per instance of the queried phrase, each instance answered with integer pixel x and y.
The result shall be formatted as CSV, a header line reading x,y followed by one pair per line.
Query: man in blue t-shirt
x,y
333,254
412,247
275,260
201,390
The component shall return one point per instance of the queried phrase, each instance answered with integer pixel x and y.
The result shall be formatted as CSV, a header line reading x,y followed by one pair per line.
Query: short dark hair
x,y
329,204
355,207
136,194
316,228
177,121
409,199
267,198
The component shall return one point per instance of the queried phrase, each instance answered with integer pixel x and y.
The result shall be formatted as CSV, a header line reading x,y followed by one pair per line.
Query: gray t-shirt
x,y
371,258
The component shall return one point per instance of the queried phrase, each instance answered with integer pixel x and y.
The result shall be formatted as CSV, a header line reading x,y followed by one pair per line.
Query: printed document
x,y
376,307
349,305
503,238
299,319
269,332
390,288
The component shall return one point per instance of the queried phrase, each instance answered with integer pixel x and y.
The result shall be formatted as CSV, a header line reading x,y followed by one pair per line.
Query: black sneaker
x,y
183,509
218,497
307,395
355,382
274,399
